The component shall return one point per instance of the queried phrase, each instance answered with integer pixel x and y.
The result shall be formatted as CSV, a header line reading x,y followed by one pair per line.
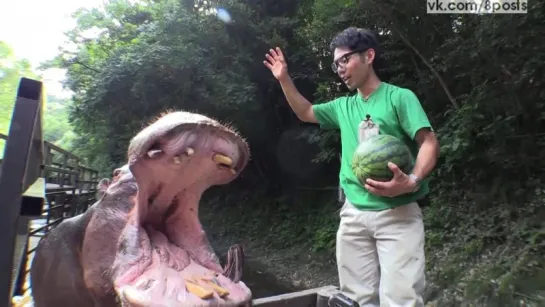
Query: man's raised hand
x,y
276,62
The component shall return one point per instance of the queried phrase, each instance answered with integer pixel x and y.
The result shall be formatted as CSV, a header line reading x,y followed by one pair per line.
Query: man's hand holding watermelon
x,y
400,184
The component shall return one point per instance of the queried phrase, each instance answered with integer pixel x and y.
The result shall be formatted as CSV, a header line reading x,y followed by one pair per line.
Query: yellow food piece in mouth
x,y
204,287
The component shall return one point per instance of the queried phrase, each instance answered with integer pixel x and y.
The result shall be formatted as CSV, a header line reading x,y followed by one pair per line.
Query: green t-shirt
x,y
397,111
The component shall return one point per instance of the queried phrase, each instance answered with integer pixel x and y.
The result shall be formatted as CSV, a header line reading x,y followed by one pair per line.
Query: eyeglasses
x,y
342,61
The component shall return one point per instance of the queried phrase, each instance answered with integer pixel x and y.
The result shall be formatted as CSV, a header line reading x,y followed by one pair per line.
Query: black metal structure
x,y
27,183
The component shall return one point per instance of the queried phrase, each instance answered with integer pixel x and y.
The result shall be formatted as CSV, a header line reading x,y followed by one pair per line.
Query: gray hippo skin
x,y
142,243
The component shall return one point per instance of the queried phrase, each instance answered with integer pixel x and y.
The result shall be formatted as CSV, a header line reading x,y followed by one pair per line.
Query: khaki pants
x,y
380,256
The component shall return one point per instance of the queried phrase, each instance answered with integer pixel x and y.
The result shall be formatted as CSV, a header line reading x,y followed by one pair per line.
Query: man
x,y
380,241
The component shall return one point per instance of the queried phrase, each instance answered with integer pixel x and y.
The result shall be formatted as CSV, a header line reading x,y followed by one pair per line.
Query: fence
x,y
40,185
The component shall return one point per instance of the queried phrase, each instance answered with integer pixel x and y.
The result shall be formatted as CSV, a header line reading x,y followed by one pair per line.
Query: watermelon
x,y
371,157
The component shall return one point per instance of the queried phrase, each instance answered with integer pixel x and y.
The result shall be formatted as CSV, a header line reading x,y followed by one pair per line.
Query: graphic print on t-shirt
x,y
367,128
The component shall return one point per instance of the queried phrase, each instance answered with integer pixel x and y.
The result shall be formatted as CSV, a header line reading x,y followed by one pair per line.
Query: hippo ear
x,y
102,186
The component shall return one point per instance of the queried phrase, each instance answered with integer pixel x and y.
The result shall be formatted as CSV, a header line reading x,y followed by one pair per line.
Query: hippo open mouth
x,y
163,256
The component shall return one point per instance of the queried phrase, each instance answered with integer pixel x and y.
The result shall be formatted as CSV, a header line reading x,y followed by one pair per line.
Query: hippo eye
x,y
116,172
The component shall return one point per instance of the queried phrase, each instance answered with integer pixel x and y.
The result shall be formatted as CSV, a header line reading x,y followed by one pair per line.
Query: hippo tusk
x,y
222,159
154,153
235,263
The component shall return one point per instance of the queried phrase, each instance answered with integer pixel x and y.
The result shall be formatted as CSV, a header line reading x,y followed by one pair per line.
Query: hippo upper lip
x,y
171,123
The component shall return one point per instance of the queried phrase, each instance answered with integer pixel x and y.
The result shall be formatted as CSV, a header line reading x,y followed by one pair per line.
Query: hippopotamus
x,y
142,243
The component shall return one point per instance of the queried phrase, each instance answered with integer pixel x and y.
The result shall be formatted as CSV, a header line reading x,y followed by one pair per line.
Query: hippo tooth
x,y
154,153
222,159
133,296
233,171
177,160
189,151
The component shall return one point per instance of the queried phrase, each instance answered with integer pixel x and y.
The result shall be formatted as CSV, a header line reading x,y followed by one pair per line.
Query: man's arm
x,y
416,125
300,105
428,152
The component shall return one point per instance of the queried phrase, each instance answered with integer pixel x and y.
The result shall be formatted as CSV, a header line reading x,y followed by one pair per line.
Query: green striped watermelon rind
x,y
371,160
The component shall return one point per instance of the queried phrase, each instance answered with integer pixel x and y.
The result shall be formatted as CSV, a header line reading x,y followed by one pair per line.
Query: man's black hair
x,y
355,39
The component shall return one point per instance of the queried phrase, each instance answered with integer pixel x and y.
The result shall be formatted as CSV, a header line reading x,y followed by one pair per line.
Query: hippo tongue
x,y
166,260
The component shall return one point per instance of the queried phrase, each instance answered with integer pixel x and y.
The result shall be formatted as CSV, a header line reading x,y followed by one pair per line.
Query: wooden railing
x,y
40,185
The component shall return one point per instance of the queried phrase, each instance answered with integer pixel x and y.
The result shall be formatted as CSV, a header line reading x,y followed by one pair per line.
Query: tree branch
x,y
85,65
405,40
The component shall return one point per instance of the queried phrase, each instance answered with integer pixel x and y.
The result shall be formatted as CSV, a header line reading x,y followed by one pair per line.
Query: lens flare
x,y
223,15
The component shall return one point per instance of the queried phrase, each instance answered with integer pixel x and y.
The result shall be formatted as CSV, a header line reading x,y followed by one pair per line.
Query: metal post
x,y
20,169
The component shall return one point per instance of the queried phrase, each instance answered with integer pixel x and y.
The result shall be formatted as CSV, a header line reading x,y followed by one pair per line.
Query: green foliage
x,y
11,70
291,220
487,257
57,128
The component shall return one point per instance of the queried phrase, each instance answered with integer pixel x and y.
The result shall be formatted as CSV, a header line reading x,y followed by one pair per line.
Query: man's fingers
x,y
375,190
393,167
280,54
376,184
378,192
269,62
273,53
270,58
269,66
379,188
277,54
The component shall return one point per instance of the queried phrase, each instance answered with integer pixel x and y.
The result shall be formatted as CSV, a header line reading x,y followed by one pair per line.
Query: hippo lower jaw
x,y
163,255
163,283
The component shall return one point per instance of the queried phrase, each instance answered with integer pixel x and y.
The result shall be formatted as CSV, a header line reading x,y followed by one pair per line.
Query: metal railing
x,y
40,185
